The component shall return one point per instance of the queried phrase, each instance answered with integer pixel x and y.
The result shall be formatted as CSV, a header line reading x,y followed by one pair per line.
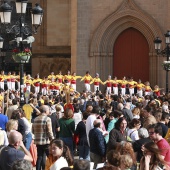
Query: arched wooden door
x,y
131,55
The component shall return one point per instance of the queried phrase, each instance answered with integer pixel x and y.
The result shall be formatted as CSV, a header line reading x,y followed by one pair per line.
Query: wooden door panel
x,y
131,55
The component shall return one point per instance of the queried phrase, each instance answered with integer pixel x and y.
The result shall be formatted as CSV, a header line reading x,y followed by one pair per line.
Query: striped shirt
x,y
42,130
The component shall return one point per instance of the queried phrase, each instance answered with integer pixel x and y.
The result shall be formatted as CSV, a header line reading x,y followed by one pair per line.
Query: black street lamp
x,y
22,31
166,53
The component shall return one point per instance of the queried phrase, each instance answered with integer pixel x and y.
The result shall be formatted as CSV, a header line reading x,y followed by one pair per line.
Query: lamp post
x,y
22,31
166,53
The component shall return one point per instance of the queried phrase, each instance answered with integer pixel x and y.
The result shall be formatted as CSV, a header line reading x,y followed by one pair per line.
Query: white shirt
x,y
136,117
133,134
27,125
59,163
89,125
77,118
3,138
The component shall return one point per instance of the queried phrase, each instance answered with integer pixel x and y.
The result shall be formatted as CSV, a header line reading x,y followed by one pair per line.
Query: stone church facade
x,y
80,35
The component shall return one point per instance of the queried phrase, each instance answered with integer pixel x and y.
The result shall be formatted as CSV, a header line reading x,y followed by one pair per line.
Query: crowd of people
x,y
126,127
58,83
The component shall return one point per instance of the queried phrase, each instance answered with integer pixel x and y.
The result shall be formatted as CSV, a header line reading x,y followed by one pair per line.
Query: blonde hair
x,y
11,125
126,161
136,111
58,107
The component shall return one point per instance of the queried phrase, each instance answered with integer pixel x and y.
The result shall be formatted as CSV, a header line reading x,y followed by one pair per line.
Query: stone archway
x,y
127,15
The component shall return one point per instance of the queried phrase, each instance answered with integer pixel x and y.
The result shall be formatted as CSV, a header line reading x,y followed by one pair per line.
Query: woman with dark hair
x,y
67,128
117,134
133,129
80,133
24,127
16,115
111,124
152,159
77,114
59,157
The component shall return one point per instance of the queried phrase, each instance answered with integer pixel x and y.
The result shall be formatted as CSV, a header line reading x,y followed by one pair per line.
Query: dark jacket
x,y
21,129
81,132
164,129
137,145
115,137
97,142
8,155
55,124
127,114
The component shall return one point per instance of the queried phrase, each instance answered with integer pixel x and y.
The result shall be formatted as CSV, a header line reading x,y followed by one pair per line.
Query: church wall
x,y
157,9
52,42
79,20
58,23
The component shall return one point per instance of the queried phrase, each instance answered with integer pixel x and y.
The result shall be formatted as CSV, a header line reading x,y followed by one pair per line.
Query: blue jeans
x,y
69,142
84,152
28,140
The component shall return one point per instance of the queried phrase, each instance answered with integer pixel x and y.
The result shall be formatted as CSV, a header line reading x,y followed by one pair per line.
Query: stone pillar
x,y
157,73
80,40
161,73
74,35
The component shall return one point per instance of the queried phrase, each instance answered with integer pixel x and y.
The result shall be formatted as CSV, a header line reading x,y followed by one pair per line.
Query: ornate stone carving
x,y
48,65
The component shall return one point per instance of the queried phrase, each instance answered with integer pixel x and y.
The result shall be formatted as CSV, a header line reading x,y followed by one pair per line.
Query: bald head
x,y
44,109
120,106
97,123
127,105
14,137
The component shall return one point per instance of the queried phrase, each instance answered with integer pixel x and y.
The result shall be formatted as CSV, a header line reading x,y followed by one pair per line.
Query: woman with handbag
x,y
67,127
80,138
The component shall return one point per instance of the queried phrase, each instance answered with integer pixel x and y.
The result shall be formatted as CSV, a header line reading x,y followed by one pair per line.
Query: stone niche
x,y
44,66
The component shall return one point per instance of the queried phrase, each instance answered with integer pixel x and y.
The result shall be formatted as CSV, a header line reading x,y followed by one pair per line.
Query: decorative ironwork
x,y
166,65
165,53
20,31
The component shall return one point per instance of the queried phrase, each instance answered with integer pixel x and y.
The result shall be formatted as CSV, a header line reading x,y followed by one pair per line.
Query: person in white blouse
x,y
133,131
77,114
28,133
3,138
60,156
